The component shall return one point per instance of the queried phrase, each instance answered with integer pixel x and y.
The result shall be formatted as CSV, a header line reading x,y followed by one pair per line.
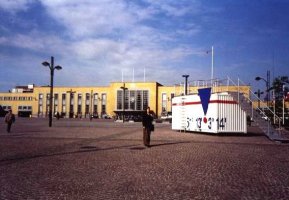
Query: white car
x,y
265,117
167,117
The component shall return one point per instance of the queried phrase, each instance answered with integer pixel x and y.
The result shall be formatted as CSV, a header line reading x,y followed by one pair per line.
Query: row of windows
x,y
21,108
71,96
6,107
16,98
132,99
91,104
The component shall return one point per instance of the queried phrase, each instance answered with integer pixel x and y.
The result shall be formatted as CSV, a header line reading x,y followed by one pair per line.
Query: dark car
x,y
2,112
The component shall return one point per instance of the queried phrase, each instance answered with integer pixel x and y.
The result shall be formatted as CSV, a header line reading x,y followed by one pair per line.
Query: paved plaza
x,y
102,159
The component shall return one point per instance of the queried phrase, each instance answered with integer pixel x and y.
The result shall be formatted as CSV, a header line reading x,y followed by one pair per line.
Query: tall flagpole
x,y
212,70
122,75
144,75
133,74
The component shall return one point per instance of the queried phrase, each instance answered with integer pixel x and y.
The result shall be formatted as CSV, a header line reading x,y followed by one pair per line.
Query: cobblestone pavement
x,y
79,159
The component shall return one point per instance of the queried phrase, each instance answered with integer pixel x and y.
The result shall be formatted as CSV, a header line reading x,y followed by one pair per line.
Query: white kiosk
x,y
208,112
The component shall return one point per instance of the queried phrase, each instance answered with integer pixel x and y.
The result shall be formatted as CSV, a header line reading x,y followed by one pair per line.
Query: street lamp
x,y
186,83
52,68
258,78
123,101
258,95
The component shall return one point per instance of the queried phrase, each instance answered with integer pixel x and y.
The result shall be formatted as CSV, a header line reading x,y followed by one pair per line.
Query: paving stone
x,y
79,159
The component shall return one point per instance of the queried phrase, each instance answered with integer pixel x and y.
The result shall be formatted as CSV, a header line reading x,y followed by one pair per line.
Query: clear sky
x,y
96,41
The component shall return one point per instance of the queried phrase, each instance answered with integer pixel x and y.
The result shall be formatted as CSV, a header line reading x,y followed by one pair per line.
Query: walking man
x,y
9,120
147,127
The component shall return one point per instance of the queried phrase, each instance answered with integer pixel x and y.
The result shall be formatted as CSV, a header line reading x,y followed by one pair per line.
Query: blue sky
x,y
96,41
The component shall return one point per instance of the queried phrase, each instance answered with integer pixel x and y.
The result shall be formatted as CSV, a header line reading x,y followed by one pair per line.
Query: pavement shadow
x,y
168,143
248,134
83,149
137,148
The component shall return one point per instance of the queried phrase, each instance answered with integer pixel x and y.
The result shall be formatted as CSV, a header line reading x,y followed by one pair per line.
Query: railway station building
x,y
118,99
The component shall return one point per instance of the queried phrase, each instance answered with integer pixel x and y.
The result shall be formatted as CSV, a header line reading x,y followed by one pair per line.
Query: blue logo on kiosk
x,y
205,95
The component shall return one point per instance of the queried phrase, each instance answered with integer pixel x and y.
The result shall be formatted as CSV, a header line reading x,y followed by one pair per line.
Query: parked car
x,y
167,116
2,112
95,116
105,116
265,117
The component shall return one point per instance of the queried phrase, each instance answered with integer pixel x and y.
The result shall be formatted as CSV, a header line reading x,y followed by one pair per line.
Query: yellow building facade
x,y
116,99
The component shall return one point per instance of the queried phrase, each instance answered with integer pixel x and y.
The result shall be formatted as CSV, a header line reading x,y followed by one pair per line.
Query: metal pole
x,y
123,103
283,110
91,102
274,108
283,114
238,90
212,70
259,94
51,90
267,85
186,84
144,75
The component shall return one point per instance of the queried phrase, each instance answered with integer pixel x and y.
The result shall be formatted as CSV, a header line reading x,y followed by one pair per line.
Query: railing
x,y
217,85
225,85
260,110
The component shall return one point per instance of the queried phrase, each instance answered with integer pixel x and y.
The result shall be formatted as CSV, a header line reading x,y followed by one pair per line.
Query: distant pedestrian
x,y
57,115
249,120
147,124
9,120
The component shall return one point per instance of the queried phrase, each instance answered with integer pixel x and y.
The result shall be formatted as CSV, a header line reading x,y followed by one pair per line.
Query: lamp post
x,y
123,101
258,95
186,83
52,68
258,78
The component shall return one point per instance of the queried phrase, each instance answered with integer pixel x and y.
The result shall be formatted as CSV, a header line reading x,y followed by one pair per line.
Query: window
x,y
87,102
138,100
103,103
55,102
40,99
40,104
63,109
48,99
95,102
71,110
164,102
119,100
47,102
134,100
79,99
145,99
126,95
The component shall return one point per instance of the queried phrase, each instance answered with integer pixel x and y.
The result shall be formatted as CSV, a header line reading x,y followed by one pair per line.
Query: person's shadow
x,y
157,145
